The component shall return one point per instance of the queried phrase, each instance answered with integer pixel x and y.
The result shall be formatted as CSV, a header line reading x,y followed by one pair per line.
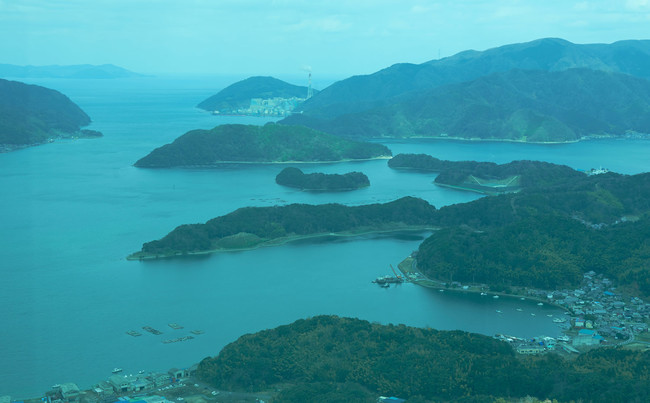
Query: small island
x,y
258,144
253,227
32,115
294,177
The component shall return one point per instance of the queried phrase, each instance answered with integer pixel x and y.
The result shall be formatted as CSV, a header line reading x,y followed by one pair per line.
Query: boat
x,y
540,304
496,296
559,320
498,311
197,331
133,333
174,325
519,309
483,294
117,370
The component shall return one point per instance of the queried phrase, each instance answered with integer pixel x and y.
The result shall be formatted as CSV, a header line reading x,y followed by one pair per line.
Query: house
x,y
527,349
587,337
70,391
176,373
119,383
383,399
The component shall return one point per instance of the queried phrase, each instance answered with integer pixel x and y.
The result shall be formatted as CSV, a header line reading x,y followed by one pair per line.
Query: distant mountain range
x,y
420,100
74,71
239,94
31,114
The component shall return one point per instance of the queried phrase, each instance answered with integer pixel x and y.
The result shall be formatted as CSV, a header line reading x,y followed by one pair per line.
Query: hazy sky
x,y
267,37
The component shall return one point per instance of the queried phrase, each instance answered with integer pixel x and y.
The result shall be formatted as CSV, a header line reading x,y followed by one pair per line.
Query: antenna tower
x,y
309,90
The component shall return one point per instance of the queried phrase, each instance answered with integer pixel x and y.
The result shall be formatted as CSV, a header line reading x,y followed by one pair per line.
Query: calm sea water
x,y
71,211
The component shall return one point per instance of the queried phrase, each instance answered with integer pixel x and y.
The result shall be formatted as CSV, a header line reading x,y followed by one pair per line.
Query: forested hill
x,y
365,92
547,237
239,94
331,359
31,114
488,177
520,105
249,143
258,226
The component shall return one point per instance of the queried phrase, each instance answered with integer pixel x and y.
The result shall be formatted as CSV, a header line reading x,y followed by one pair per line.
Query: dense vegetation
x,y
488,177
239,94
534,106
252,226
324,358
294,177
249,143
30,114
547,237
401,81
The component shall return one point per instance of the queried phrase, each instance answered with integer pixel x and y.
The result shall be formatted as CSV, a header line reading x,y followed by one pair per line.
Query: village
x,y
596,315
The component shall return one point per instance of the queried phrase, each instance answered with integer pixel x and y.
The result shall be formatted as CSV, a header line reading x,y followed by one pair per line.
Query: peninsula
x,y
294,177
32,115
487,177
253,227
257,96
258,144
344,359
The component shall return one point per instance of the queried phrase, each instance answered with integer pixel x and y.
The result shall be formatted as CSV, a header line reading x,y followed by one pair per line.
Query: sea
x,y
72,210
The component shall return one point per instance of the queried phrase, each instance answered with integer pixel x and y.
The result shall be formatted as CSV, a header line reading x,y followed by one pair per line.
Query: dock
x,y
152,330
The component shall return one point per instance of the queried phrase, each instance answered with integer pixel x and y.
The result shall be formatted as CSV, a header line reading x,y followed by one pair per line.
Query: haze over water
x,y
71,211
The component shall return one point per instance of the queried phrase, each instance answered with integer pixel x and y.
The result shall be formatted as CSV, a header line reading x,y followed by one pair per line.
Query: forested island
x,y
294,177
252,227
32,115
327,358
262,144
547,90
488,177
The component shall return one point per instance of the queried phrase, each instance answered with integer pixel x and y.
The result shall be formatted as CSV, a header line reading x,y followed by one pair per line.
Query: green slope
x,y
30,114
249,143
259,226
331,359
361,93
520,105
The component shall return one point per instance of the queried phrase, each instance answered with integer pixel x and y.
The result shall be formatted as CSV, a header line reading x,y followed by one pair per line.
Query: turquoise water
x,y
71,211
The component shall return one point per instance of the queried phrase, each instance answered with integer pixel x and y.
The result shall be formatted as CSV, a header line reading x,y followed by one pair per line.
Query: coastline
x,y
492,140
217,163
407,267
282,241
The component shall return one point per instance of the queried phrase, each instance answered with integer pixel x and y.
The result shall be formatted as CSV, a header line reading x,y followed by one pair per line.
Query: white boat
x,y
117,370
498,311
540,304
